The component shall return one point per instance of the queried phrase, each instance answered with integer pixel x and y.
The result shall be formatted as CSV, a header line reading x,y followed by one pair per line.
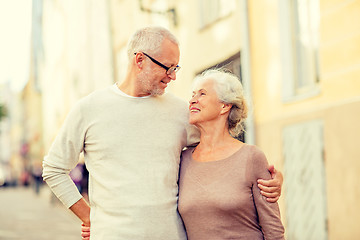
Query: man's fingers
x,y
270,195
269,183
269,188
265,182
270,192
85,229
85,234
273,200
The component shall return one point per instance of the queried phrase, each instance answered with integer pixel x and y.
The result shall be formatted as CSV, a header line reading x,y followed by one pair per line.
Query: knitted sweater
x,y
132,150
221,200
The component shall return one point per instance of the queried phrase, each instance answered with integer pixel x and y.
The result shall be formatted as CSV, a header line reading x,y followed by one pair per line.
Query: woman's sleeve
x,y
269,213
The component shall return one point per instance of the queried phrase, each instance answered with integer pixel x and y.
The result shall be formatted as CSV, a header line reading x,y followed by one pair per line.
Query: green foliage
x,y
2,111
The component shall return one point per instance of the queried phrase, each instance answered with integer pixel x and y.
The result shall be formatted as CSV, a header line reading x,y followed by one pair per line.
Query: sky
x,y
15,35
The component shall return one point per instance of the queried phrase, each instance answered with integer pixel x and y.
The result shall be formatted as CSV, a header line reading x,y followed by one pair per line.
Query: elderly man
x,y
132,135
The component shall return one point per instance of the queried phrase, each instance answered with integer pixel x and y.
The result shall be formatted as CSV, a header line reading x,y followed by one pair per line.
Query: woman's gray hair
x,y
230,91
149,40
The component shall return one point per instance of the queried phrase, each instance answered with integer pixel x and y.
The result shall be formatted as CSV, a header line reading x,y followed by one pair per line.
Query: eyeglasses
x,y
169,70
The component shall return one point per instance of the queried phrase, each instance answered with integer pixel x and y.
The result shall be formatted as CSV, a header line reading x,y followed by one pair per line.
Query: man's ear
x,y
226,107
139,57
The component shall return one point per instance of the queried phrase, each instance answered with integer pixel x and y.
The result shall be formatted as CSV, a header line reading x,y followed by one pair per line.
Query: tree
x,y
2,111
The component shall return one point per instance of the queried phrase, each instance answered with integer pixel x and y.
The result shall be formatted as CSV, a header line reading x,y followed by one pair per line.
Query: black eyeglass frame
x,y
169,70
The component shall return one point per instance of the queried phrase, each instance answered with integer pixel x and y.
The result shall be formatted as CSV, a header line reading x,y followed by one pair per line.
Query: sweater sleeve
x,y
193,135
63,156
269,213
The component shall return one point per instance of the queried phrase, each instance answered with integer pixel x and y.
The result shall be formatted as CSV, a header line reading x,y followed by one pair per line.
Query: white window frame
x,y
305,185
299,24
213,10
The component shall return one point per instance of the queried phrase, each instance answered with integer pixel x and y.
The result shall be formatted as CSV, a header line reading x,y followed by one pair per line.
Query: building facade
x,y
299,62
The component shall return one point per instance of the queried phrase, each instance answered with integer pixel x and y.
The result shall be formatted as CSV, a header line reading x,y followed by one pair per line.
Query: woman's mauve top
x,y
221,200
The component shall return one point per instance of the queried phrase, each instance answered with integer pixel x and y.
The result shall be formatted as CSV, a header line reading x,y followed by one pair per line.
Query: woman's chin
x,y
192,121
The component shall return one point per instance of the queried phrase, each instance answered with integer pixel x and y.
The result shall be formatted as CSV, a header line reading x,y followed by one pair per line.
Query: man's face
x,y
153,78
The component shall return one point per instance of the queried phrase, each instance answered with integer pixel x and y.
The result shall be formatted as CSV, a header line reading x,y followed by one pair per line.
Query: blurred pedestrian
x,y
76,174
25,178
84,182
36,175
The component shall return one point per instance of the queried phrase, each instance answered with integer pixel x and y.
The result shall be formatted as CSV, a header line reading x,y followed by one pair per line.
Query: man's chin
x,y
157,92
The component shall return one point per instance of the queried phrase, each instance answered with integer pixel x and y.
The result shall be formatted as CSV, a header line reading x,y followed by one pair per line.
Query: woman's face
x,y
204,104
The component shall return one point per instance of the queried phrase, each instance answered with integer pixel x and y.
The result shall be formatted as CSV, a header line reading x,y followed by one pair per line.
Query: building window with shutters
x,y
233,64
304,185
299,27
213,10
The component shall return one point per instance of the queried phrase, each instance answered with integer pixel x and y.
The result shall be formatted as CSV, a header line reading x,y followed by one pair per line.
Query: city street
x,y
27,216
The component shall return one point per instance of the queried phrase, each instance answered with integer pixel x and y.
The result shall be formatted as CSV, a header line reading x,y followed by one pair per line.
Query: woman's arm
x,y
268,213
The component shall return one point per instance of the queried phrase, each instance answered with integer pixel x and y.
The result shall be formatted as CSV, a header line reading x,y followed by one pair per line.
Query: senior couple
x,y
133,135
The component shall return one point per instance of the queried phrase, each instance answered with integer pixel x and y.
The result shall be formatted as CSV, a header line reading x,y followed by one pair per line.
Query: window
x,y
299,32
212,10
305,185
234,65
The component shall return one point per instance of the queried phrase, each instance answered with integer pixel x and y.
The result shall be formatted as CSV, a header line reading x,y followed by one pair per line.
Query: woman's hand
x,y
271,189
85,232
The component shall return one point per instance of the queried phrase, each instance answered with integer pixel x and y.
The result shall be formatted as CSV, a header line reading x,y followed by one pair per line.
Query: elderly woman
x,y
218,193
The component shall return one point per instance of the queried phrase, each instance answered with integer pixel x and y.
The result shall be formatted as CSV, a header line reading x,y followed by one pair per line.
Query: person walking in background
x,y
76,174
36,173
219,197
84,184
132,135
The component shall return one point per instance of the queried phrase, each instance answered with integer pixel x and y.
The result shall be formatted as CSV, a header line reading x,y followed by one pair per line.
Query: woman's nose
x,y
193,100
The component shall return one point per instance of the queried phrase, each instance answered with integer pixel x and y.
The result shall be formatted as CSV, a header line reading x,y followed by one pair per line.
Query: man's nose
x,y
172,76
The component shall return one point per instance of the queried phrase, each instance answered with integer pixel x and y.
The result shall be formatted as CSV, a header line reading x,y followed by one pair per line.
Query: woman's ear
x,y
226,108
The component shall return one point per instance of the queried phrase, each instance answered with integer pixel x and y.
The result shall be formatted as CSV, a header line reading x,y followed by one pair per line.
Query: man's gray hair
x,y
149,40
230,91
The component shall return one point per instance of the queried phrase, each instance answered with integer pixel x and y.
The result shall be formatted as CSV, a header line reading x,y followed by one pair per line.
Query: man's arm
x,y
271,189
82,210
63,156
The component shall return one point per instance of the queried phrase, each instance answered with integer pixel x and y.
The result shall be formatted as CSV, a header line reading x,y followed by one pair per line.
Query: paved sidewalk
x,y
27,216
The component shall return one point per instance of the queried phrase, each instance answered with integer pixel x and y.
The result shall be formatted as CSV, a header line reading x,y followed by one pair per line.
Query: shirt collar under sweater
x,y
118,91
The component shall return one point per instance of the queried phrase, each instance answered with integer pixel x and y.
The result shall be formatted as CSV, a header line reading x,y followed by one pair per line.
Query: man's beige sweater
x,y
132,150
